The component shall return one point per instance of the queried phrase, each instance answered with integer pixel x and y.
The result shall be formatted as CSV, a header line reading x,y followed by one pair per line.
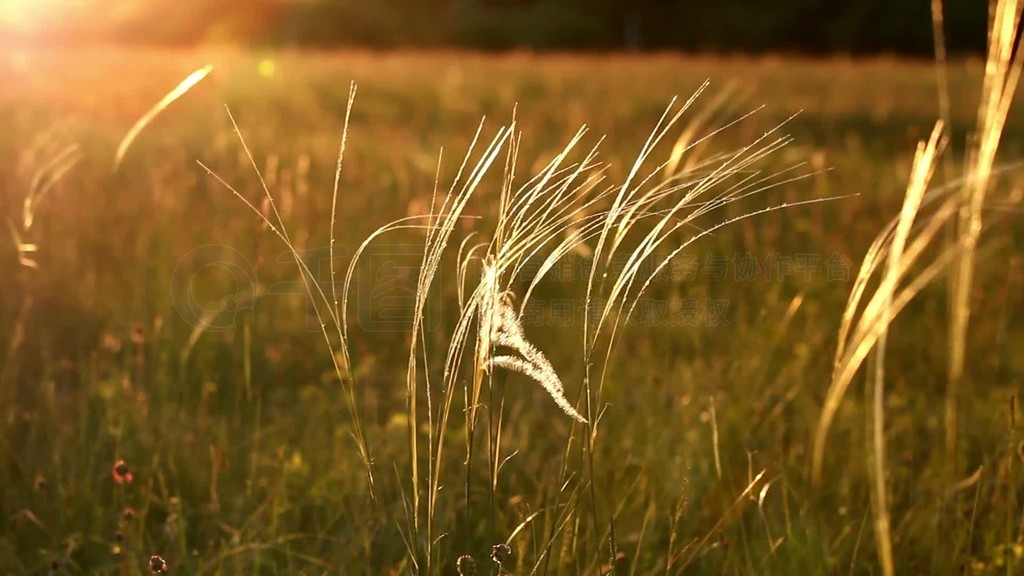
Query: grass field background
x,y
238,439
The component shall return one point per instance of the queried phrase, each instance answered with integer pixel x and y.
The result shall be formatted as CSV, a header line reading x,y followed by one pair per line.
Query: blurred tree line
x,y
808,26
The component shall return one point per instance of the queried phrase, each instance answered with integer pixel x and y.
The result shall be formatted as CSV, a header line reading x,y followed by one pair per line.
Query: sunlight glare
x,y
53,18
27,16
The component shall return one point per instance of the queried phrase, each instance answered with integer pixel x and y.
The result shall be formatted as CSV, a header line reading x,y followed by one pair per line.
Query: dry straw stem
x,y
1003,68
54,167
531,217
47,161
340,358
666,204
863,331
438,226
439,233
672,205
693,549
532,222
900,245
179,91
45,177
49,168
555,212
44,163
920,177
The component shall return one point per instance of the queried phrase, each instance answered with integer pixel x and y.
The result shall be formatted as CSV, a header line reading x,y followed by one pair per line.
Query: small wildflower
x,y
157,565
119,536
501,553
273,353
121,473
111,343
128,514
40,482
466,566
138,333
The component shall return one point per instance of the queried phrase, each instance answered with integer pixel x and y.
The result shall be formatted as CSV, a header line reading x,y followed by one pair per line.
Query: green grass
x,y
242,453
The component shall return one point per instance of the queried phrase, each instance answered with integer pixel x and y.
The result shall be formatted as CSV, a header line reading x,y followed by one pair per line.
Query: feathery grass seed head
x,y
499,317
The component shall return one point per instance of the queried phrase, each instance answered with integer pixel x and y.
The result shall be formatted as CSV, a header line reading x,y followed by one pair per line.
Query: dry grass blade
x,y
696,548
439,226
927,155
334,194
1003,69
899,247
860,332
44,180
24,249
47,168
684,211
340,358
206,319
190,81
688,139
870,332
48,161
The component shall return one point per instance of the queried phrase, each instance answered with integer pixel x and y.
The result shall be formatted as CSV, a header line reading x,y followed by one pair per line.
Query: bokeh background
x,y
802,26
132,425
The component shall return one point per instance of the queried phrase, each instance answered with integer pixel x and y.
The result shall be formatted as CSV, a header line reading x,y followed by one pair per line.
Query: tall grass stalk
x,y
547,218
899,246
45,163
895,254
566,207
323,305
1003,67
942,75
921,173
180,90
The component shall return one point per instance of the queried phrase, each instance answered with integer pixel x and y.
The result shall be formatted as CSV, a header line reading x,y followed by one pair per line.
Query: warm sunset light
x,y
53,19
496,287
29,16
152,21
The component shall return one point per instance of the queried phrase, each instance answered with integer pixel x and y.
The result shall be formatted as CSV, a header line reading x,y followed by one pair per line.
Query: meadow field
x,y
173,384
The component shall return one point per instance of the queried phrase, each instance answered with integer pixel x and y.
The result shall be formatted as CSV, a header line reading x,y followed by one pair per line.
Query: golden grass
x,y
487,226
180,90
864,332
1003,68
562,207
